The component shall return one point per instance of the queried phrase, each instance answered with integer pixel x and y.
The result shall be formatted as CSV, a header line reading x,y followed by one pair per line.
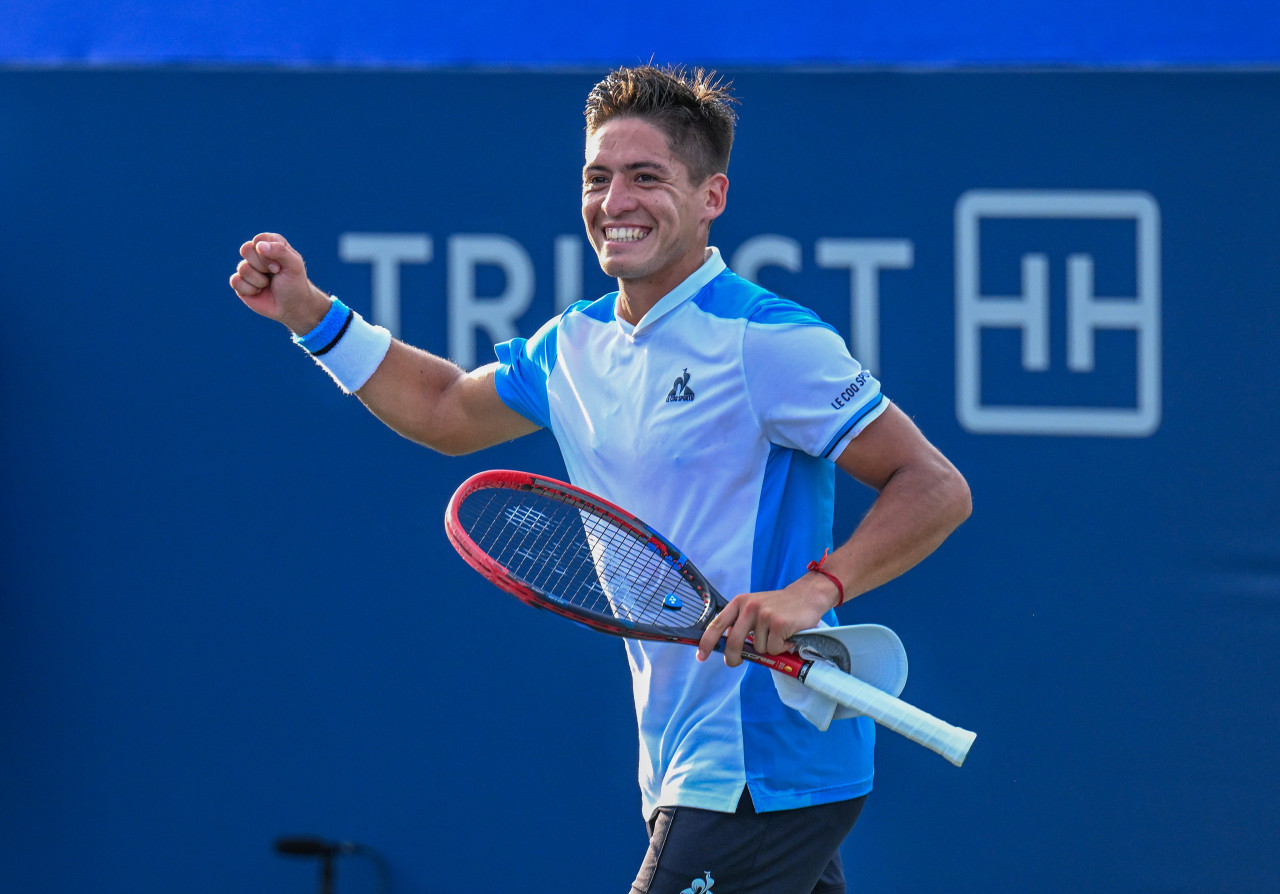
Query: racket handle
x,y
951,742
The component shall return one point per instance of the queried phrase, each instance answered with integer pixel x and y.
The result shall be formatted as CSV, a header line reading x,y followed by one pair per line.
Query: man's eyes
x,y
596,181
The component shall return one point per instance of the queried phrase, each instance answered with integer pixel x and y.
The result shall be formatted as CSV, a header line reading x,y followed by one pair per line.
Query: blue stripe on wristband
x,y
357,355
351,315
330,329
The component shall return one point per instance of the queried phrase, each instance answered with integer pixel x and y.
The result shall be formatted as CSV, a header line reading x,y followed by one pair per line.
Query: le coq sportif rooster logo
x,y
700,886
680,390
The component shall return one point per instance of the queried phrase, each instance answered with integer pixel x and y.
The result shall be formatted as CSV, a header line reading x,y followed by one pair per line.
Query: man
x,y
715,411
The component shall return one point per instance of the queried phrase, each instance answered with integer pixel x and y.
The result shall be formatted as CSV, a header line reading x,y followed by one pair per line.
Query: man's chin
x,y
620,269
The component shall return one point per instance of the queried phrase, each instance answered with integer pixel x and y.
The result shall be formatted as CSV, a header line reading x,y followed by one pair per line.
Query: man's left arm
x,y
921,499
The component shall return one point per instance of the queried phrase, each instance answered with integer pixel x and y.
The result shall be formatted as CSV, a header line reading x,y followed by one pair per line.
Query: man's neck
x,y
636,297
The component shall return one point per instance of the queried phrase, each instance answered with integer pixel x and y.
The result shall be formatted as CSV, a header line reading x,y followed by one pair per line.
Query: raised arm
x,y
425,398
922,499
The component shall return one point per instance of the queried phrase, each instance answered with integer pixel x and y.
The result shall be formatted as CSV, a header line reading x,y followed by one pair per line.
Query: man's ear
x,y
715,190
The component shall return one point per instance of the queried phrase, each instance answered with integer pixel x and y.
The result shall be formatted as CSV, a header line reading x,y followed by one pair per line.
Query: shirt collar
x,y
712,267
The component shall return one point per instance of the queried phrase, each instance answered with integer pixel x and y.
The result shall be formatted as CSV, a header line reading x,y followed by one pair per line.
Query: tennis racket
x,y
560,548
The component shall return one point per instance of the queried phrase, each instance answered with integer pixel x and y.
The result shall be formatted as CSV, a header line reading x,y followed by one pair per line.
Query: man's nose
x,y
618,199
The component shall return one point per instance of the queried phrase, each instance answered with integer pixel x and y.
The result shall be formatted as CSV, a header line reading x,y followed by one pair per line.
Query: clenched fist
x,y
272,281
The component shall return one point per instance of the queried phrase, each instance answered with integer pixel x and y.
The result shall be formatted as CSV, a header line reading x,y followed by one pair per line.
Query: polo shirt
x,y
716,419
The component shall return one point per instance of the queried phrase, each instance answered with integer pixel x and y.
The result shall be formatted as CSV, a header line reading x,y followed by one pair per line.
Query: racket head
x,y
560,548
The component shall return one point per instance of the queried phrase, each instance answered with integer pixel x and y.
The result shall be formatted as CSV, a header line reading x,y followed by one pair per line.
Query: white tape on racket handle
x,y
951,742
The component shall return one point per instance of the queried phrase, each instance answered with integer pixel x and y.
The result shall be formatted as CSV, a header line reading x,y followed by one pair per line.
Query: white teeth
x,y
625,234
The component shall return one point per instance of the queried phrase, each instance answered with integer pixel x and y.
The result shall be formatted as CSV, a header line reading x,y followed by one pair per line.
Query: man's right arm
x,y
421,396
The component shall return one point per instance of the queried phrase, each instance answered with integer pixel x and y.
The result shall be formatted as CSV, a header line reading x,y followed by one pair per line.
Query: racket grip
x,y
951,742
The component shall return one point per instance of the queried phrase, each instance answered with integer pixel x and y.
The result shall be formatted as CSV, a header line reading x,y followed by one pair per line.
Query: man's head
x,y
693,110
657,148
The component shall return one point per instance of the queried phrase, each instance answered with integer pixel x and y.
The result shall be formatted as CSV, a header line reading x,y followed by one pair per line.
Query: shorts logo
x,y
681,389
701,885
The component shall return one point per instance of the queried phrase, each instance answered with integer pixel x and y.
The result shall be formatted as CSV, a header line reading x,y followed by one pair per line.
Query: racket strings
x,y
580,559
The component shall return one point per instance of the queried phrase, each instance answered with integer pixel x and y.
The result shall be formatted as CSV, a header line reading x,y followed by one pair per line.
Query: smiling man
x,y
648,213
717,412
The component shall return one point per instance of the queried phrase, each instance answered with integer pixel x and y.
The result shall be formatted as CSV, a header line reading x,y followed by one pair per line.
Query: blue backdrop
x,y
575,32
230,608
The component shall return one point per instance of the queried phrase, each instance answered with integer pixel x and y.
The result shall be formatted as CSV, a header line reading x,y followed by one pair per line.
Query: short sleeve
x,y
524,365
807,390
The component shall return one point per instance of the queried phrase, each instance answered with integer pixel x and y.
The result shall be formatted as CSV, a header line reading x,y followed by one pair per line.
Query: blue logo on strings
x,y
672,601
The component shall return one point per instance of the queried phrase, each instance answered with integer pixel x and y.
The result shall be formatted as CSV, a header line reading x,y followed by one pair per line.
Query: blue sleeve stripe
x,y
853,423
521,381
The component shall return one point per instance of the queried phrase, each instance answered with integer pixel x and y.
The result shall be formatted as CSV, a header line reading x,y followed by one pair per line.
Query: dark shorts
x,y
694,851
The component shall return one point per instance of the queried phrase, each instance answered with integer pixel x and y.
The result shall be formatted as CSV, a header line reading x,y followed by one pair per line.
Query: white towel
x,y
875,655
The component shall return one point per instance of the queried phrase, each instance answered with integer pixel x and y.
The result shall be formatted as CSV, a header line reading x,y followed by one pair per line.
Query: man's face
x,y
645,218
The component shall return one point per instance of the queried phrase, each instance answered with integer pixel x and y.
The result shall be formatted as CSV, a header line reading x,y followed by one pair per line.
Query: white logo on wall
x,y
472,310
1045,221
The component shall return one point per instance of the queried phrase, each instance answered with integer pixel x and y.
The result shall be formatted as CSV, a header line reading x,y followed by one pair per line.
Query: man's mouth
x,y
625,234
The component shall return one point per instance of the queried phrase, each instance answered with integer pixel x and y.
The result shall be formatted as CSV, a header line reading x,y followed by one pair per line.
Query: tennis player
x,y
718,413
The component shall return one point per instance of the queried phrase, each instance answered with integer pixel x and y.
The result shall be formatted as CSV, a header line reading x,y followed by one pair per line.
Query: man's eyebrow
x,y
632,166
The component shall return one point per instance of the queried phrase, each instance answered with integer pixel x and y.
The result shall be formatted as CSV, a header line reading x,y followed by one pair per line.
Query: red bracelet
x,y
817,567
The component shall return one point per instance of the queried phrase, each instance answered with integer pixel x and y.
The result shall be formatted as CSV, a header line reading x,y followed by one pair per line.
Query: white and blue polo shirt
x,y
716,419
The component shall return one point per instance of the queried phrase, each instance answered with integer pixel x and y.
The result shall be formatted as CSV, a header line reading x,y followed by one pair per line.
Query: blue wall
x,y
399,33
230,609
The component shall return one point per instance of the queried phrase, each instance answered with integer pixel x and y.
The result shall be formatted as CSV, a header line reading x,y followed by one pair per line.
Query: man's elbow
x,y
958,497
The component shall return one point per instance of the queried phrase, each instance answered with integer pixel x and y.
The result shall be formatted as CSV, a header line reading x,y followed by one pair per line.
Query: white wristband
x,y
356,355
